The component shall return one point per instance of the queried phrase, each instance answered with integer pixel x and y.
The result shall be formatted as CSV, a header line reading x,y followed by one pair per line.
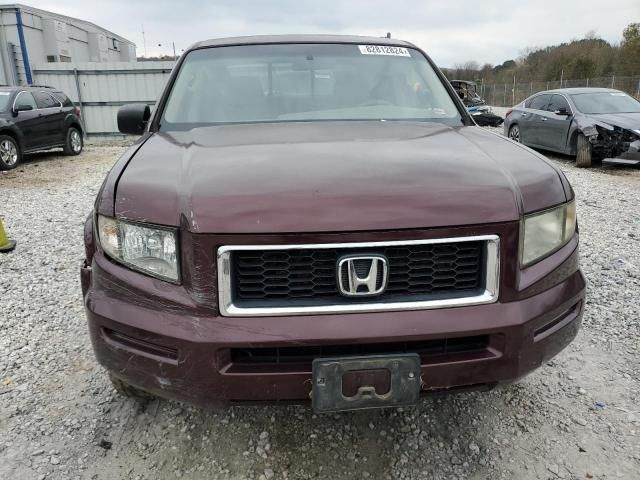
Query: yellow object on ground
x,y
6,245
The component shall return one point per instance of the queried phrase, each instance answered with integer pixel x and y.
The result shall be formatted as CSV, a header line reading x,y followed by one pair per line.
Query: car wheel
x,y
73,144
584,152
126,390
9,153
514,133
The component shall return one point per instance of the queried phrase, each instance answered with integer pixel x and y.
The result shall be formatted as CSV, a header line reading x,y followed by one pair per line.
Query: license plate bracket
x,y
404,382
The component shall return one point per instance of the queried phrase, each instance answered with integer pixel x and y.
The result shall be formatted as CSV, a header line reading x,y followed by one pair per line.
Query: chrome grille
x,y
303,279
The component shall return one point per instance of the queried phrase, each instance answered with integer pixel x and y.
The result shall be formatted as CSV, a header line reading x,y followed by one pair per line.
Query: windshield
x,y
606,102
306,82
5,96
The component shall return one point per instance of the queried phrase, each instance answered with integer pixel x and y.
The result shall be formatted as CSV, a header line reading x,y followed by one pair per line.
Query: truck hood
x,y
332,177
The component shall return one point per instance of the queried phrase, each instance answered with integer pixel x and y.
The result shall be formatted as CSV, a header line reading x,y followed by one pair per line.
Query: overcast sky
x,y
487,31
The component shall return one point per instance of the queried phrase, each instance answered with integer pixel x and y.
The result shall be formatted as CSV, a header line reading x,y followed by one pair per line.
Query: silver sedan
x,y
590,123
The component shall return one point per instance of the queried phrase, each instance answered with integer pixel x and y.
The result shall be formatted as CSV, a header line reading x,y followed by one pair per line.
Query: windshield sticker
x,y
5,93
384,50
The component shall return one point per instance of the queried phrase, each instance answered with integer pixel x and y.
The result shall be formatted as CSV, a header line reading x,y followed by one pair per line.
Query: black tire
x,y
584,152
10,154
73,141
126,390
514,133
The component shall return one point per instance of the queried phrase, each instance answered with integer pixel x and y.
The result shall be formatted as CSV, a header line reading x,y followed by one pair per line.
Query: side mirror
x,y
23,107
133,118
563,111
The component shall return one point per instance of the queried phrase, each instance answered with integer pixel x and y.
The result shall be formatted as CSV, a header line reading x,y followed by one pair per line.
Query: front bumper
x,y
629,158
618,152
185,353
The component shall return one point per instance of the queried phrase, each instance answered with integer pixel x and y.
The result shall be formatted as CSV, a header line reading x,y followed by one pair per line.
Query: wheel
x,y
584,152
73,142
126,390
514,133
9,153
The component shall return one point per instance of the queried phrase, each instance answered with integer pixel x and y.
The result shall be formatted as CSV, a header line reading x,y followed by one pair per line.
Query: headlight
x,y
148,249
545,232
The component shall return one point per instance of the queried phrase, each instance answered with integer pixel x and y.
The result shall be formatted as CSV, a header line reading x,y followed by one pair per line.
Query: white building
x,y
30,36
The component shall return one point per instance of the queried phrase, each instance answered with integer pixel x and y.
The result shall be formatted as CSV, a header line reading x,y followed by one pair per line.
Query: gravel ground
x,y
578,417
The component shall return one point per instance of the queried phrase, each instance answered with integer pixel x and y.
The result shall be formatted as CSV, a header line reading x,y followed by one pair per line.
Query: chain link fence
x,y
509,94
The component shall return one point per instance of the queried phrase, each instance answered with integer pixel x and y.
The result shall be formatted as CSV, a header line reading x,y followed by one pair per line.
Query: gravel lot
x,y
576,418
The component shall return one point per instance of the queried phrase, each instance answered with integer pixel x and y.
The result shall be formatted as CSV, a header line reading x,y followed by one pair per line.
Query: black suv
x,y
37,118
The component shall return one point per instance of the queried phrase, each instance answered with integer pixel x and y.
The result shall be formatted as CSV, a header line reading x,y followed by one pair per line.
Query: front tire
x,y
514,133
10,155
73,142
584,152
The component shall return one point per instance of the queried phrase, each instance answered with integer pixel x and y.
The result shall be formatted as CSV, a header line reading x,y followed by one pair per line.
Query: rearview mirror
x,y
562,111
133,118
23,107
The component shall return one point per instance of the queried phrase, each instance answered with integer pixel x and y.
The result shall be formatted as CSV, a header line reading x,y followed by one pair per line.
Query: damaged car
x,y
468,93
475,104
318,218
588,123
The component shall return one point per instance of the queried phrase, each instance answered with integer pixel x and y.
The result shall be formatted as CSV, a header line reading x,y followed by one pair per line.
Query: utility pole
x,y
144,42
561,77
173,44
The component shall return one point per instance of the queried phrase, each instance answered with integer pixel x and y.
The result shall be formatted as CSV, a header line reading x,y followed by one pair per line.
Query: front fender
x,y
9,126
105,201
589,127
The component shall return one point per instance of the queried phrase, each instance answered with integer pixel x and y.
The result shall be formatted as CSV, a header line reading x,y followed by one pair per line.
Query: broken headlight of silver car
x,y
545,232
149,249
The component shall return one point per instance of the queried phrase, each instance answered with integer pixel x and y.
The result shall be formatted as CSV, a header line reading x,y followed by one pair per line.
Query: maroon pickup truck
x,y
319,218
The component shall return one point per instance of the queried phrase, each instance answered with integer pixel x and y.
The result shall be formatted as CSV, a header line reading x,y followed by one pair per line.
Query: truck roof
x,y
270,39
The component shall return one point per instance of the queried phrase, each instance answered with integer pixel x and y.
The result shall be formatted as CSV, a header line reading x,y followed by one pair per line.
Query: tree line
x,y
589,57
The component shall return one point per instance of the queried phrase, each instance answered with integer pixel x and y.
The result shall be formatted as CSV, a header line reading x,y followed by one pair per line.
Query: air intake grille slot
x,y
306,354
